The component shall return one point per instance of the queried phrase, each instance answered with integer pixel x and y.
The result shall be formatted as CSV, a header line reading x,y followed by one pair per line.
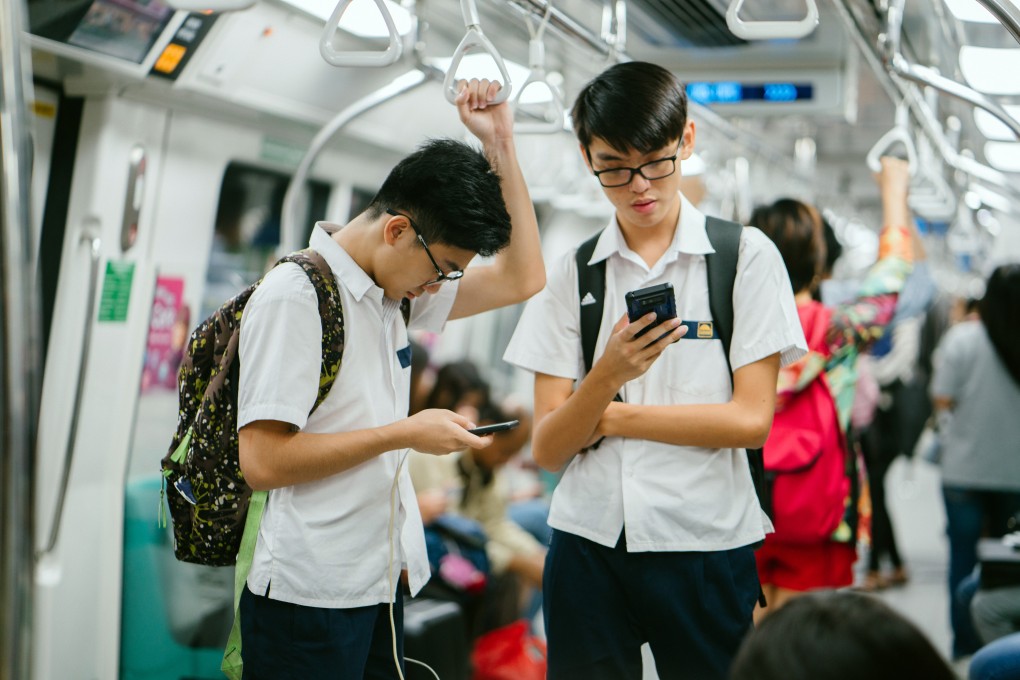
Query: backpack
x,y
806,453
722,272
209,499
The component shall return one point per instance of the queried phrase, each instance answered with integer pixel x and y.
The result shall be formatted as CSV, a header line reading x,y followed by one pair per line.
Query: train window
x,y
248,228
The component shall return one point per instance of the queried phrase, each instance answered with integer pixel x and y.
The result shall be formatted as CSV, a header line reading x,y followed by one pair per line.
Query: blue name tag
x,y
404,356
700,330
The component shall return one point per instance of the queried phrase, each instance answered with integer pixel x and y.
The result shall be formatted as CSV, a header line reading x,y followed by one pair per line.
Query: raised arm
x,y
517,272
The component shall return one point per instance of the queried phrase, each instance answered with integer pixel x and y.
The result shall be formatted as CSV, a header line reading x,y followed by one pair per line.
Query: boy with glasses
x,y
341,517
656,517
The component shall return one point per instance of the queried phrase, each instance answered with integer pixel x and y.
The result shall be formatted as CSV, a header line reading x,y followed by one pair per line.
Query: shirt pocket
x,y
697,372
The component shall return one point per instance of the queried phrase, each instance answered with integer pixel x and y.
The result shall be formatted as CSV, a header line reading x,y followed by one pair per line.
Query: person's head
x,y
460,387
999,310
445,202
796,229
837,636
505,445
634,115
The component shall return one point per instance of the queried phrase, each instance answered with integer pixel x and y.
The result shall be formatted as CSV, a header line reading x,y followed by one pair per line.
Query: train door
x,y
168,211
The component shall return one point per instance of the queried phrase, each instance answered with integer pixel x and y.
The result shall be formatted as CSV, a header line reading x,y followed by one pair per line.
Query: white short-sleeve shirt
x,y
324,543
671,498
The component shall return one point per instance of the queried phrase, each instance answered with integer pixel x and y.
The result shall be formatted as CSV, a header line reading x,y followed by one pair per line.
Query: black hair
x,y
837,636
833,248
453,382
998,310
796,229
453,195
633,105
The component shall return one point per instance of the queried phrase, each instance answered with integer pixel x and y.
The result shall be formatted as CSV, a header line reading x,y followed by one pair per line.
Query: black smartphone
x,y
658,299
497,427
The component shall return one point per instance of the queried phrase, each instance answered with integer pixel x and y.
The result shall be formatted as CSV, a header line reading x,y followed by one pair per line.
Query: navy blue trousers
x,y
284,641
602,604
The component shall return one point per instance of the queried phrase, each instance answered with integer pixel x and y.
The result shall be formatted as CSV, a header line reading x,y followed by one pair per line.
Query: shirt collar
x,y
350,274
689,238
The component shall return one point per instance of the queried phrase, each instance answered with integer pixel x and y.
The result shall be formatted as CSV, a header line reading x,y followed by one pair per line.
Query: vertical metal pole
x,y
19,340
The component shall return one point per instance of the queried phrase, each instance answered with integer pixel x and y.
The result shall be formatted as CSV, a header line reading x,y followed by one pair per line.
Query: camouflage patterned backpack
x,y
209,498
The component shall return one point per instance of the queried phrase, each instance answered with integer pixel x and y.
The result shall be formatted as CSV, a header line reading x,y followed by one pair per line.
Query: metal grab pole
x,y
19,342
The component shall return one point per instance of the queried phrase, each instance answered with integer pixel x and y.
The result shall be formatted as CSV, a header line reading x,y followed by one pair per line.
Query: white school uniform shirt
x,y
671,498
324,543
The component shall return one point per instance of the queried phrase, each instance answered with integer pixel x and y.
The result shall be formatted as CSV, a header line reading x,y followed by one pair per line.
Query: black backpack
x,y
208,497
722,272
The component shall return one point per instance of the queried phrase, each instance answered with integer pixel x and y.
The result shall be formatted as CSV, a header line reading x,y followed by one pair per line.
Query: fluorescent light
x,y
481,65
991,70
1003,156
993,128
970,10
361,18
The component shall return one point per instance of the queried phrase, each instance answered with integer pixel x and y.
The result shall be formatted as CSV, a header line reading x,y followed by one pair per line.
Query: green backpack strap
x,y
332,316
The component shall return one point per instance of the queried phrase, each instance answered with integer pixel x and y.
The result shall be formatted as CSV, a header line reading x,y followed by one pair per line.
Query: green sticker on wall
x,y
113,306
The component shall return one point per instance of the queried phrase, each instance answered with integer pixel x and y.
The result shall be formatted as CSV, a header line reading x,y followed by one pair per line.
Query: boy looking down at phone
x,y
341,516
655,518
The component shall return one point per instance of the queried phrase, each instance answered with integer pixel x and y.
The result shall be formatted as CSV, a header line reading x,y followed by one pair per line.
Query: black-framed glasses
x,y
440,275
618,177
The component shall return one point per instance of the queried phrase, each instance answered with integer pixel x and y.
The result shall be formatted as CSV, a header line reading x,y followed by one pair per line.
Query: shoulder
x,y
754,242
285,282
964,336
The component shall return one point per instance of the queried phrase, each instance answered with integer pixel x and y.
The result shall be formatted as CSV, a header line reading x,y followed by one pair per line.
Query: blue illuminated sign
x,y
729,92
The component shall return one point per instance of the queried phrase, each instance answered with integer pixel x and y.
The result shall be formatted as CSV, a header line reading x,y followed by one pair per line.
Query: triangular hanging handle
x,y
770,30
374,58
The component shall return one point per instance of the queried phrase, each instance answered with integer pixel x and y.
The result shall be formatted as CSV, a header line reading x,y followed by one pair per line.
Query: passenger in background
x,y
838,636
654,527
976,386
817,548
467,484
325,571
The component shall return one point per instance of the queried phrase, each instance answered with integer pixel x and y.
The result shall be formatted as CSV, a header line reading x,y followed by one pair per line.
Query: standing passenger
x,y
976,390
794,561
325,570
654,529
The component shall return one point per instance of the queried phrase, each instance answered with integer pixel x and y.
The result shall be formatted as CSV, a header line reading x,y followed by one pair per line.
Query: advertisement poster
x,y
169,327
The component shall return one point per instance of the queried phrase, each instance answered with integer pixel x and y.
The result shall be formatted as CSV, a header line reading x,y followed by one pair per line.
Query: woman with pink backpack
x,y
814,476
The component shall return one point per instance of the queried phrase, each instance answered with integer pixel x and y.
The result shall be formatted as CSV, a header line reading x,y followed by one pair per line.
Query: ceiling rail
x,y
901,90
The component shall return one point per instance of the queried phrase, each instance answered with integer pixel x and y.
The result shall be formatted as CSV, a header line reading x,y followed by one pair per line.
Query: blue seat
x,y
155,645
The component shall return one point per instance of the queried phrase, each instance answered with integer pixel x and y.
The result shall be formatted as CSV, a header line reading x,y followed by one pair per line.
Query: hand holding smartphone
x,y
658,299
497,427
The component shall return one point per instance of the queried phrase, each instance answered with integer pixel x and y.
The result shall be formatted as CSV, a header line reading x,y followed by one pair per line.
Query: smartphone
x,y
658,299
497,427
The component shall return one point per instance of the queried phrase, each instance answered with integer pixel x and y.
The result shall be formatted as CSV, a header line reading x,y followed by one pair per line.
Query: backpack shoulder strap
x,y
331,314
591,285
722,273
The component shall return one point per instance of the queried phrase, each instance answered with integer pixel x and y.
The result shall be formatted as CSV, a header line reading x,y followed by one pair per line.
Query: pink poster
x,y
169,327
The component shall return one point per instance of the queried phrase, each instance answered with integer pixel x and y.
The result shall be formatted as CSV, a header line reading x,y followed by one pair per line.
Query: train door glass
x,y
176,616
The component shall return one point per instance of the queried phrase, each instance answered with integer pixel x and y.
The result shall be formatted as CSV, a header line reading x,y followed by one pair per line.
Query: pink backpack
x,y
806,452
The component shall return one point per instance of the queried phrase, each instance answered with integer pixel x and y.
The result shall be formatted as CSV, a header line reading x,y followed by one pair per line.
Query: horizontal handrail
x,y
371,58
898,64
770,30
474,38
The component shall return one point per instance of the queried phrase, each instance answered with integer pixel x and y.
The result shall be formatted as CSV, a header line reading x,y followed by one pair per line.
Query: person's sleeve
x,y
280,350
765,317
547,339
918,292
949,367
